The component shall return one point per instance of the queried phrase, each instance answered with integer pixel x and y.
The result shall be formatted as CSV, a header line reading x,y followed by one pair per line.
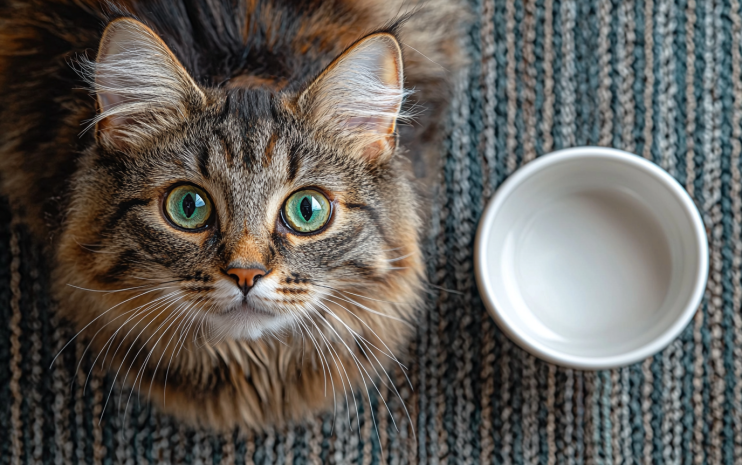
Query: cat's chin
x,y
243,321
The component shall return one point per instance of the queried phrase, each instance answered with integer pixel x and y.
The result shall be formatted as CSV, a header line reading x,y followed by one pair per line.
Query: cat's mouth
x,y
245,320
245,307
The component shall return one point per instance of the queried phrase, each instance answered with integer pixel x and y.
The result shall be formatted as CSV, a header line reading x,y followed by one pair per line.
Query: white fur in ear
x,y
141,86
361,92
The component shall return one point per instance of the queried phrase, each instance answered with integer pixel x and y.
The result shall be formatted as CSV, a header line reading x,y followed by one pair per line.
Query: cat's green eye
x,y
306,211
188,207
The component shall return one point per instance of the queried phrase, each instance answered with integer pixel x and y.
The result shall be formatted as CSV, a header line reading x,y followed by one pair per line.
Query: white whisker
x,y
106,344
335,356
388,350
391,382
113,291
164,350
322,359
172,315
391,260
151,307
361,369
186,330
131,346
96,318
364,341
363,307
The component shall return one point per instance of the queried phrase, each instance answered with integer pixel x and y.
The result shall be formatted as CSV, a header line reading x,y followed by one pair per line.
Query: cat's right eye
x,y
188,207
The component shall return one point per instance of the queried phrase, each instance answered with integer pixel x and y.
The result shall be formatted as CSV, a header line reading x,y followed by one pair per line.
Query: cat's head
x,y
246,209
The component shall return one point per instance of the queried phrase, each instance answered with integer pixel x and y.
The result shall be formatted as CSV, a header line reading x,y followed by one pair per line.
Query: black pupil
x,y
306,208
189,205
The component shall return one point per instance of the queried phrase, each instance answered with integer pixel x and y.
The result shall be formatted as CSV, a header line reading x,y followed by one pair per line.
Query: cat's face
x,y
244,210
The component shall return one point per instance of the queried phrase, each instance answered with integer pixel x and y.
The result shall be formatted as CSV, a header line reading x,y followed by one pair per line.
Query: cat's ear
x,y
141,86
360,94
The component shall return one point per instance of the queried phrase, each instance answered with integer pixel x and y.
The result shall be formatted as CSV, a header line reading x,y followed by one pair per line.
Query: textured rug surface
x,y
661,78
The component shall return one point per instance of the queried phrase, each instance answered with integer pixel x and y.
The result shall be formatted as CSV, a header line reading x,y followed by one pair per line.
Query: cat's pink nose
x,y
245,277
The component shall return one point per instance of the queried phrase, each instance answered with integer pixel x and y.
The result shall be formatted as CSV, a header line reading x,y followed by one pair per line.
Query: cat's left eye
x,y
188,207
306,211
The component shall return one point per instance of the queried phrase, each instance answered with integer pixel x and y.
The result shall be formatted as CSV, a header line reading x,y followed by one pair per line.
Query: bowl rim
x,y
532,345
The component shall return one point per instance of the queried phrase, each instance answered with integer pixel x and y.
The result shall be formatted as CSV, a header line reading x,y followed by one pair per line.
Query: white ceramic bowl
x,y
591,258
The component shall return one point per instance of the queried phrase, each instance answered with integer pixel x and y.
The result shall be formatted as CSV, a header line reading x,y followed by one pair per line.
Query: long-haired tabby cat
x,y
221,189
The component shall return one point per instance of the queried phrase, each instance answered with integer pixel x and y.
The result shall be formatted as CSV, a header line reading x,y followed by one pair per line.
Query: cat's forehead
x,y
257,135
264,147
252,154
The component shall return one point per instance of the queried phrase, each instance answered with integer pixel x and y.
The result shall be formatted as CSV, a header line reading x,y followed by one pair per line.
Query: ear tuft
x,y
360,94
141,86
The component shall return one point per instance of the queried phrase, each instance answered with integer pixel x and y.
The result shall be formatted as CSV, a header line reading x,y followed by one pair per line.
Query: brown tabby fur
x,y
249,142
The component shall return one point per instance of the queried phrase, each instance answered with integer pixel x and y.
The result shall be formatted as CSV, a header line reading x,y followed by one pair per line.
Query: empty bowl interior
x,y
591,258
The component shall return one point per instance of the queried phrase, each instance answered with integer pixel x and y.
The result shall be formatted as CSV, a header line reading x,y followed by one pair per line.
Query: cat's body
x,y
247,120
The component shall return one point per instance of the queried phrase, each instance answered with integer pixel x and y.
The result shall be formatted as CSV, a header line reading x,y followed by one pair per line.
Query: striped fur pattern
x,y
571,73
153,303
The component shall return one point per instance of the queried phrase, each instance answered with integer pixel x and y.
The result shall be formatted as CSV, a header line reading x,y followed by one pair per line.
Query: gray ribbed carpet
x,y
660,78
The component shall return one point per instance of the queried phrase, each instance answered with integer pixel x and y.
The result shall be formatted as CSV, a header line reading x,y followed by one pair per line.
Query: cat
x,y
221,188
